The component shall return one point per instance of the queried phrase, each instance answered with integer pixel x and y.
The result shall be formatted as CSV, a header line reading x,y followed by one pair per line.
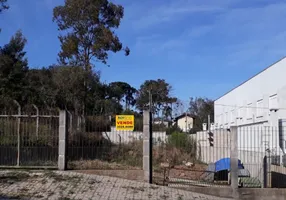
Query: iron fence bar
x,y
37,122
18,132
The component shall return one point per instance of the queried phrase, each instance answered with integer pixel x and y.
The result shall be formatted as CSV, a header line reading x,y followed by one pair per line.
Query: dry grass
x,y
97,164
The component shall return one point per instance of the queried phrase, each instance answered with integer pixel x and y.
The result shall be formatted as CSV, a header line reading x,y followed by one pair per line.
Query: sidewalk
x,y
72,185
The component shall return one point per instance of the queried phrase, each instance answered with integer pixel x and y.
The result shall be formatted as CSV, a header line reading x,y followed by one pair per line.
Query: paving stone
x,y
72,185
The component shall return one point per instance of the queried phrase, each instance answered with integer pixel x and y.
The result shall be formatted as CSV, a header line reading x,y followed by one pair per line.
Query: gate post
x,y
147,146
234,161
62,161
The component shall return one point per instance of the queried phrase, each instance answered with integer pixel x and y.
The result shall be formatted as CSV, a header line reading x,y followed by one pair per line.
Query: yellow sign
x,y
124,122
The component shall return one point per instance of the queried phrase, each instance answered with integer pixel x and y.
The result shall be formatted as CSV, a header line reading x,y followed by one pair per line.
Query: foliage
x,y
200,108
8,133
161,98
13,68
89,31
122,91
97,124
182,141
128,154
3,5
173,129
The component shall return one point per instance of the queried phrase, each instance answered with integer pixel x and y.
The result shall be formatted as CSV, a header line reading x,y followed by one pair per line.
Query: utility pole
x,y
186,122
209,123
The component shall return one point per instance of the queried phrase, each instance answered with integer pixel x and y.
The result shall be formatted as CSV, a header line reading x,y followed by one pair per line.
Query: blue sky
x,y
201,47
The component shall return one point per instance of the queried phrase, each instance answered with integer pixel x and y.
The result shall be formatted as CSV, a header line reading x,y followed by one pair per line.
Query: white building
x,y
259,102
185,122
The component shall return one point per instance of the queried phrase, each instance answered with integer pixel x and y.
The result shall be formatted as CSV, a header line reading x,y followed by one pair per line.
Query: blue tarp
x,y
224,164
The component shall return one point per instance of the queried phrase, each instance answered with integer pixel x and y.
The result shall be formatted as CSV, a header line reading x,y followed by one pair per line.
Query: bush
x,y
47,135
97,124
173,129
183,142
128,154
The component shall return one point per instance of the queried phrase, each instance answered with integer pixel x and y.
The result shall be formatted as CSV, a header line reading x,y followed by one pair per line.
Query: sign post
x,y
124,122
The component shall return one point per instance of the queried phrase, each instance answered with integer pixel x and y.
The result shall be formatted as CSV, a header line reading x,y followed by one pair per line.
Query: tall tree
x,y
13,68
200,108
158,91
42,90
123,92
88,31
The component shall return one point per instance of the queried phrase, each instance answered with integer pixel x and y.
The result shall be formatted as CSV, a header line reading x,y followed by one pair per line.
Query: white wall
x,y
257,92
129,136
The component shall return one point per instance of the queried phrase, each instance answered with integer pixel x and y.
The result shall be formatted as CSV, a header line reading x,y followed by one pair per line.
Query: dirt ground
x,y
191,173
136,175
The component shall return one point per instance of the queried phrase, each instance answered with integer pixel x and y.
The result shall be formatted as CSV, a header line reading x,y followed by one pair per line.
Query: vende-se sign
x,y
124,122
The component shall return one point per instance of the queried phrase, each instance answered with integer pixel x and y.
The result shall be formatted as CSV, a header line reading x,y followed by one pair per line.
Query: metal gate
x,y
182,160
28,136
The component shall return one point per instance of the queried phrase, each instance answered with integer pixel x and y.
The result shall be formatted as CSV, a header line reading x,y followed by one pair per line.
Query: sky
x,y
203,48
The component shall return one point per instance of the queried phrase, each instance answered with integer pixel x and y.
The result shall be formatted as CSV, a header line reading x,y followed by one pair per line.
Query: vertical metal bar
x,y
37,121
18,132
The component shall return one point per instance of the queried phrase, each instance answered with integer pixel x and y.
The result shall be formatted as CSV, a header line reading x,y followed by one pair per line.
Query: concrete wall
x,y
129,136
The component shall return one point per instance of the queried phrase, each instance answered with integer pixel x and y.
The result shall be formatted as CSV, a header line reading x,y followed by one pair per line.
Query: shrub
x,y
173,129
183,142
97,124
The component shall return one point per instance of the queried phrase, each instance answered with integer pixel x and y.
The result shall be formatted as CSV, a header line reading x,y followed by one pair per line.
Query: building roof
x,y
183,115
251,77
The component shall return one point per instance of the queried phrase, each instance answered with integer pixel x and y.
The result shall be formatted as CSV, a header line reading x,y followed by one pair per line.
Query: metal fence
x,y
94,143
204,158
183,159
28,136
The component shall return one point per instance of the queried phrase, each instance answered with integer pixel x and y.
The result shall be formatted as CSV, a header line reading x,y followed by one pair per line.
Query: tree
x,y
88,27
159,91
200,108
13,69
123,92
42,90
3,5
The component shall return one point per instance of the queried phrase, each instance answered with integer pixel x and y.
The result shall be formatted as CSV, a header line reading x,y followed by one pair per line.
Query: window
x,y
273,102
226,118
232,116
259,108
239,113
249,111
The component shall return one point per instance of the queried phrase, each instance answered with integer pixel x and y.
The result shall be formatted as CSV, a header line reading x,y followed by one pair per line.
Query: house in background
x,y
185,122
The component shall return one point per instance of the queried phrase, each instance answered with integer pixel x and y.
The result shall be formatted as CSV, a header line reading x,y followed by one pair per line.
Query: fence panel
x,y
183,159
28,137
94,143
261,151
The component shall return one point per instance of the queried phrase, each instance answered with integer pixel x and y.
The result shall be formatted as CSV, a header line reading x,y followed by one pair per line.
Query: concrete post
x,y
147,146
234,161
62,161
